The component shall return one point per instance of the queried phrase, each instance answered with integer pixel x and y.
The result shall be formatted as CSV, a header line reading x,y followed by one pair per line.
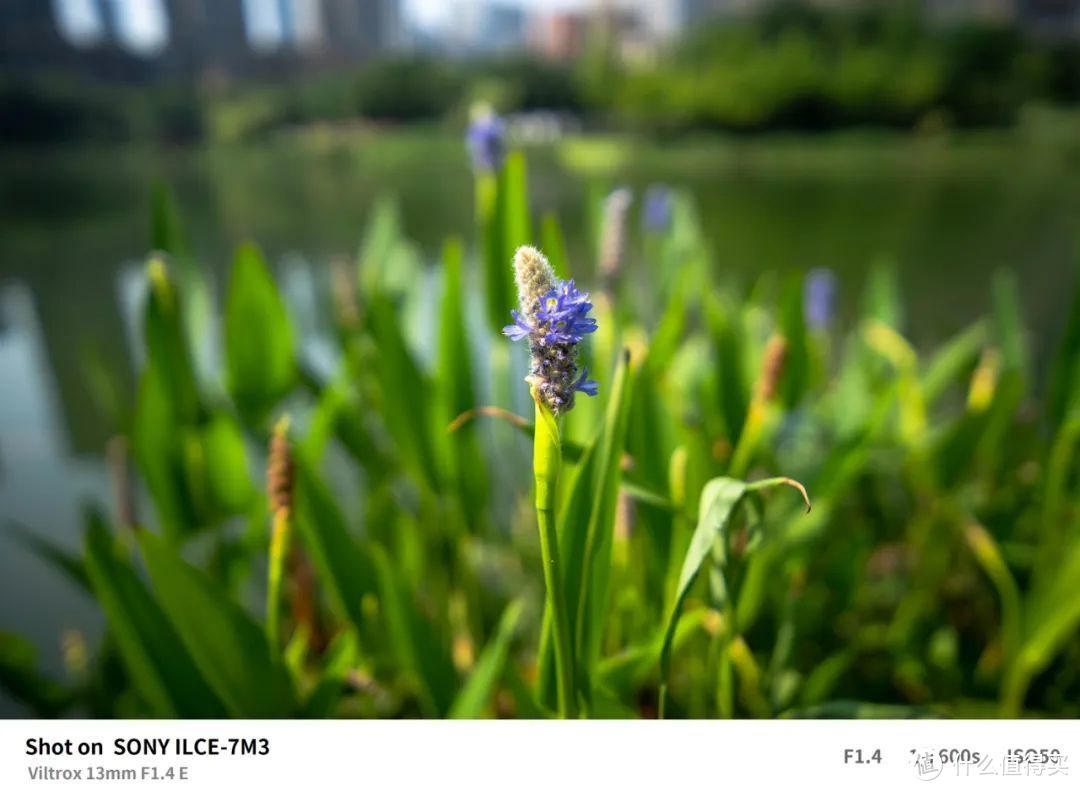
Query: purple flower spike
x,y
656,209
555,318
486,140
819,298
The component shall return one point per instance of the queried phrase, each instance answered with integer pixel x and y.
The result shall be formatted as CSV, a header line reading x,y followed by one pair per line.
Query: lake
x,y
946,211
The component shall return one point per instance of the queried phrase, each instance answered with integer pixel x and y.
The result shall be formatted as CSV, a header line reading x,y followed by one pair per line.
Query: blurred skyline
x,y
143,24
223,40
433,15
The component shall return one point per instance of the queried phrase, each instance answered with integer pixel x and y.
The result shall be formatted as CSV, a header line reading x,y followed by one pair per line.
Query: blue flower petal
x,y
519,330
585,385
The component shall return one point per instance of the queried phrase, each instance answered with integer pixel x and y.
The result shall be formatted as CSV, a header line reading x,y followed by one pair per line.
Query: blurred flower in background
x,y
819,298
656,208
613,233
486,139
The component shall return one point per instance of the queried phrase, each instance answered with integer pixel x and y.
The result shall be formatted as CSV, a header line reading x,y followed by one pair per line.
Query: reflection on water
x,y
73,230
42,483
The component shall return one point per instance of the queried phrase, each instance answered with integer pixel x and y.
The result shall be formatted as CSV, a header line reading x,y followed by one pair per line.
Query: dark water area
x,y
74,228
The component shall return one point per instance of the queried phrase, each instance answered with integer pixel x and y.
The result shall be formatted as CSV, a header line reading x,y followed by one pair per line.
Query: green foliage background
x,y
933,577
787,67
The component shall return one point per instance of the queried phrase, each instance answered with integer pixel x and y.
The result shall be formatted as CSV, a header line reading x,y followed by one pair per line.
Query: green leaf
x,y
882,298
670,332
554,246
1065,371
1009,322
734,389
228,476
341,657
502,207
67,563
953,361
797,356
382,236
591,598
160,666
417,646
166,233
157,448
342,567
353,571
166,344
475,695
719,500
498,292
514,206
19,676
107,387
1053,617
168,407
455,367
405,392
988,555
628,670
456,380
259,355
227,646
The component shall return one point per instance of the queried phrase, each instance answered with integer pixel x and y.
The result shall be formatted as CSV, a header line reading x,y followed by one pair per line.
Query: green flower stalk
x,y
279,484
554,319
547,463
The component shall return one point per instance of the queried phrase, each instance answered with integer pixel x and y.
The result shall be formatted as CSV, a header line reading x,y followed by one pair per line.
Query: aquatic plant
x,y
402,567
554,318
820,297
656,208
486,140
613,232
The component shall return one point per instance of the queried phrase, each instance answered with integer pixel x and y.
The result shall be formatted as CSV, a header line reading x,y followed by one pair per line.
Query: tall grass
x,y
395,569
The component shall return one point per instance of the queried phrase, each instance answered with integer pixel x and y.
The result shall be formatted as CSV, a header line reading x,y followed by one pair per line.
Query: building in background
x,y
476,27
203,38
1051,18
343,29
217,38
108,12
28,28
493,27
559,36
949,11
32,42
354,30
344,23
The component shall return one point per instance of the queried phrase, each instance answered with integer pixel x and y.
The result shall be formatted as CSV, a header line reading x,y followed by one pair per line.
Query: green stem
x,y
279,551
726,689
547,459
750,438
1014,691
